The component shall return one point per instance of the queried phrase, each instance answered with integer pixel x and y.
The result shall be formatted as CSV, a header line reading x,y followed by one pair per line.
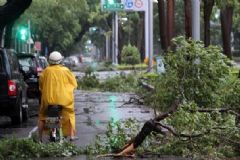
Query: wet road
x,y
23,130
93,111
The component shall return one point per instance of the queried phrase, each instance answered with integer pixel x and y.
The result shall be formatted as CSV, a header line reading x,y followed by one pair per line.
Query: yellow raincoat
x,y
57,84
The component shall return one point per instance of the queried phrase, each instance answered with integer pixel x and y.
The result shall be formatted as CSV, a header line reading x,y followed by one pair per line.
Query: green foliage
x,y
222,3
122,83
193,73
130,67
231,96
89,80
130,55
57,21
116,136
105,66
13,148
149,77
200,78
203,147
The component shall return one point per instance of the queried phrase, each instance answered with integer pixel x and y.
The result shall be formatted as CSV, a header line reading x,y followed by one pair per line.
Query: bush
x,y
130,67
89,80
130,55
122,83
13,148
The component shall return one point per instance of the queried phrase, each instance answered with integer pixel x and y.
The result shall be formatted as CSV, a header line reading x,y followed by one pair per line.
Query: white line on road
x,y
32,131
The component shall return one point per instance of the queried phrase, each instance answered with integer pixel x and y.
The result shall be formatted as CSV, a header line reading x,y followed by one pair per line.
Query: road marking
x,y
32,131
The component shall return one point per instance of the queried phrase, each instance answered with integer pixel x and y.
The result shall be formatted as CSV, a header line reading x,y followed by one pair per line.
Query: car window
x,y
12,61
27,62
15,64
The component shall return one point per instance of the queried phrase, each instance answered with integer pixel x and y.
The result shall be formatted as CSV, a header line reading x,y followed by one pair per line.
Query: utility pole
x,y
107,46
116,39
113,37
196,19
30,40
29,37
150,37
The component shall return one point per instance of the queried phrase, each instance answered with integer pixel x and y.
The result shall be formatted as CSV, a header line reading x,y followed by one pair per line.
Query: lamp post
x,y
196,19
30,40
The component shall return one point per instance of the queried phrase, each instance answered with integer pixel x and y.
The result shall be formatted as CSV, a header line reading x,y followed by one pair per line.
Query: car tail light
x,y
12,88
39,70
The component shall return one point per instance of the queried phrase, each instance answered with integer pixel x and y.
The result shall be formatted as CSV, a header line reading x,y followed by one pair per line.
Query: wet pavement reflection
x,y
95,109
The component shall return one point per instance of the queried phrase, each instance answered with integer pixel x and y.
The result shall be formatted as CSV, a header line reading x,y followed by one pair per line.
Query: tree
x,y
130,55
9,12
57,22
170,20
226,16
226,27
166,25
208,6
162,24
188,18
194,106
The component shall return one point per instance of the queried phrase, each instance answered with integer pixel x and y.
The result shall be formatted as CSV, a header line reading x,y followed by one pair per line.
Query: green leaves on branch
x,y
200,78
14,148
193,73
57,21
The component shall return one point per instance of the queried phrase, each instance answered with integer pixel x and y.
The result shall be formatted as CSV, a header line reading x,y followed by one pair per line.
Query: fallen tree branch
x,y
134,100
156,125
173,109
221,110
147,86
183,135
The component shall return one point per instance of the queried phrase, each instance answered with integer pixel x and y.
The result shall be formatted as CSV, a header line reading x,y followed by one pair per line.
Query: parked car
x,y
31,69
13,99
68,62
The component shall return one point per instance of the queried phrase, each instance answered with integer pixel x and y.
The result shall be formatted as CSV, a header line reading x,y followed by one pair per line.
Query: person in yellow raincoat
x,y
56,84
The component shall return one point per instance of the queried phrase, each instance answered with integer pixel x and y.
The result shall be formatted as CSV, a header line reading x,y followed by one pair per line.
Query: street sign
x,y
160,65
37,46
124,5
112,5
135,5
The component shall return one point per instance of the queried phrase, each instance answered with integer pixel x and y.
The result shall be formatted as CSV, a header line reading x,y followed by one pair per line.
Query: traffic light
x,y
110,1
23,32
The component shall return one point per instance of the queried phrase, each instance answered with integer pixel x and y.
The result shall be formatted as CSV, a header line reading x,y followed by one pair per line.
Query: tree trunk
x,y
208,5
188,18
170,21
162,24
226,27
140,40
120,43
